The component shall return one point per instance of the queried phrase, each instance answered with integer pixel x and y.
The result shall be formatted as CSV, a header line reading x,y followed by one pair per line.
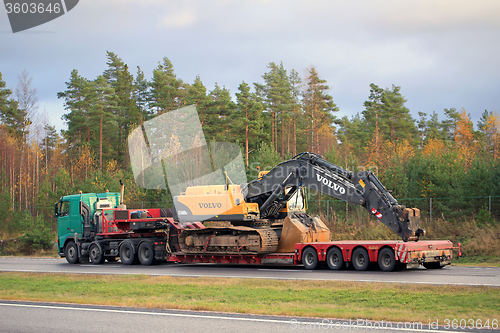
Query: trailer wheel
x,y
146,253
310,258
96,254
360,259
127,253
433,265
386,260
334,258
71,253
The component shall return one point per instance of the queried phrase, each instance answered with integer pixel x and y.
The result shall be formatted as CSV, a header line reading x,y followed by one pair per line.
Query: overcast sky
x,y
443,54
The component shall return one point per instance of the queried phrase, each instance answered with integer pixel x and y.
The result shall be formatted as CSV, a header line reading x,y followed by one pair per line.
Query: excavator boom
x,y
312,171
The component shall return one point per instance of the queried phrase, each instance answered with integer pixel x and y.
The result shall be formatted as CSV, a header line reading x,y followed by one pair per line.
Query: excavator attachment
x,y
302,228
412,216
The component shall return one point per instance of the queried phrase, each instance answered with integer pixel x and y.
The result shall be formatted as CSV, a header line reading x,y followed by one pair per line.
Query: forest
x,y
447,167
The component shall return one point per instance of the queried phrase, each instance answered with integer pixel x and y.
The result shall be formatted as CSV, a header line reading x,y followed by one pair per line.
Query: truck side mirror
x,y
56,209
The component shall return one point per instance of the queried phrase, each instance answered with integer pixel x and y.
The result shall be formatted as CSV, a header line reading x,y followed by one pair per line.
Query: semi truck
x,y
260,222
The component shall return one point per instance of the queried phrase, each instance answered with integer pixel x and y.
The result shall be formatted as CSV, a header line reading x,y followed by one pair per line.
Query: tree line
x,y
271,120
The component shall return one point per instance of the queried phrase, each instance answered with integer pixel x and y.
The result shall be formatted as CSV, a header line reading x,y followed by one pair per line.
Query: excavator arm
x,y
312,171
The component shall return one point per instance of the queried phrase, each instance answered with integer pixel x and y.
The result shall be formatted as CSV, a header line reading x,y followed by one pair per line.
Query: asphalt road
x,y
457,275
53,318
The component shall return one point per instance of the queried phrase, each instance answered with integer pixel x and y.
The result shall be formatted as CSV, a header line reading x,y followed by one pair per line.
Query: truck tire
x,y
310,258
127,253
334,258
360,259
71,253
433,265
96,254
386,260
146,253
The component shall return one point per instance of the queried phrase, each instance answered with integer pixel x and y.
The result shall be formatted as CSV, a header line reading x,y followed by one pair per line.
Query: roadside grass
x,y
323,299
481,261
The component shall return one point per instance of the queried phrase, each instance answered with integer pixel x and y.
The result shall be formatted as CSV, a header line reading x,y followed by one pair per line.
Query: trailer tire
x,y
71,253
146,253
310,258
386,260
334,258
127,253
433,265
360,259
96,254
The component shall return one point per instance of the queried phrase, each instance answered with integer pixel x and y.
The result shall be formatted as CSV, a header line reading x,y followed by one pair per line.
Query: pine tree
x,y
372,115
218,115
400,124
48,143
353,134
197,95
276,96
141,93
448,126
422,127
77,100
295,84
10,115
434,128
247,122
318,109
103,119
489,129
388,121
126,111
167,92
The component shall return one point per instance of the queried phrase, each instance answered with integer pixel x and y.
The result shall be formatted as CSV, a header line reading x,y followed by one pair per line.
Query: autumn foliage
x,y
447,160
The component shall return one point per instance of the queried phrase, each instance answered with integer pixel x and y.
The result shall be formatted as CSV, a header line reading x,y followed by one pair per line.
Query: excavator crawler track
x,y
228,240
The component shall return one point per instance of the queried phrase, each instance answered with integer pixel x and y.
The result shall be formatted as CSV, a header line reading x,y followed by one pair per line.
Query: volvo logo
x,y
210,205
330,184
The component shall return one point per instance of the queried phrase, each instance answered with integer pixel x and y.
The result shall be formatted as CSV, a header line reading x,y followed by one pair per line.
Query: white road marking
x,y
185,315
279,270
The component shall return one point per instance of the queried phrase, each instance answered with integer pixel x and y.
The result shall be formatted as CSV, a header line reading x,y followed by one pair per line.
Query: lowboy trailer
x,y
97,227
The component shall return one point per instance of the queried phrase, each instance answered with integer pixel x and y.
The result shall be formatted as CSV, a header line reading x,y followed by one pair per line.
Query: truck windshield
x,y
64,208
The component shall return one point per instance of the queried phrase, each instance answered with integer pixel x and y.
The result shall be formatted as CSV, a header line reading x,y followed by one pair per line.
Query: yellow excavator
x,y
268,214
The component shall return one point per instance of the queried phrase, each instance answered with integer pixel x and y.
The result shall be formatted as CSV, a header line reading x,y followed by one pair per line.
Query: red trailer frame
x,y
439,252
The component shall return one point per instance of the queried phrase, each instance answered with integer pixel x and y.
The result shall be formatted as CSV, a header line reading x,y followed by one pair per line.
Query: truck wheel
x,y
71,252
433,265
360,259
386,260
334,258
127,253
310,258
146,253
96,254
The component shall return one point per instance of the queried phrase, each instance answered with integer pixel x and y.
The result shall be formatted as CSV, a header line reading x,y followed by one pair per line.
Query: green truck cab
x,y
75,214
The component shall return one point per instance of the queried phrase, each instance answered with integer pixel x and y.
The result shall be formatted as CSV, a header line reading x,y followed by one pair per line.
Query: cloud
x,y
183,19
401,17
442,53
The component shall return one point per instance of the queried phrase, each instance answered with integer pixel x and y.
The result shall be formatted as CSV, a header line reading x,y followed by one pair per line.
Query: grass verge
x,y
324,299
481,261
